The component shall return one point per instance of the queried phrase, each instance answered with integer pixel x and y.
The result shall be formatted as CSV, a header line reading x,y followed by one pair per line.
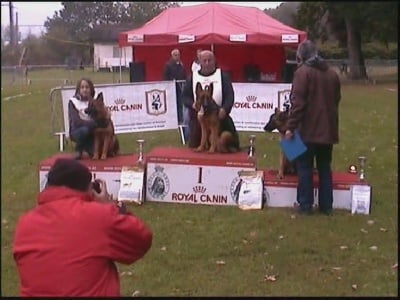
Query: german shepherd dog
x,y
278,120
105,141
213,136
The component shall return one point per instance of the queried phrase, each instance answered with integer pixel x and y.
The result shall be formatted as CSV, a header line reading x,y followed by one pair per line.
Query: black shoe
x,y
305,212
326,212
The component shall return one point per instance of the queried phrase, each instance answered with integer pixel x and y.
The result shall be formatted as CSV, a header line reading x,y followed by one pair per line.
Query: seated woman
x,y
81,126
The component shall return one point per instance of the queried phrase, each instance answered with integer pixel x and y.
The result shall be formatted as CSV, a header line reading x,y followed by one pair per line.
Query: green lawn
x,y
304,253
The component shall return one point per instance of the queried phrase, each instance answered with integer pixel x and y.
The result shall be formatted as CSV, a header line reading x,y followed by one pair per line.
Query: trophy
x,y
140,160
252,150
362,161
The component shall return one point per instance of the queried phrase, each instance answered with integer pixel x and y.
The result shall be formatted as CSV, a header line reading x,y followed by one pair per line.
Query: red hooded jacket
x,y
67,245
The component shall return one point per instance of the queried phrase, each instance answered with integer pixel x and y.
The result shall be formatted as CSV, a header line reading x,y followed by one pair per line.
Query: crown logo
x,y
199,189
159,168
119,101
251,98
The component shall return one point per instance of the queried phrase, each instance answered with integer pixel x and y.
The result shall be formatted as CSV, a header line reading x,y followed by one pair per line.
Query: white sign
x,y
290,38
186,38
136,107
135,38
360,199
237,37
256,102
194,184
251,190
132,181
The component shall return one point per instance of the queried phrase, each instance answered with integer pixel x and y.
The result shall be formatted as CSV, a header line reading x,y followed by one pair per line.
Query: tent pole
x,y
120,67
212,47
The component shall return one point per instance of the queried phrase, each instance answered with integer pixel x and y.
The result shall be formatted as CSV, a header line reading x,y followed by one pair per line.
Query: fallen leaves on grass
x,y
4,221
363,230
354,287
220,262
281,237
135,293
373,248
343,247
270,277
163,248
337,268
370,222
373,149
292,216
383,229
395,266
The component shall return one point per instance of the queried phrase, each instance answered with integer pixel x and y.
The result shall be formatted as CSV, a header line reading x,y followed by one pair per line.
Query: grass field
x,y
305,253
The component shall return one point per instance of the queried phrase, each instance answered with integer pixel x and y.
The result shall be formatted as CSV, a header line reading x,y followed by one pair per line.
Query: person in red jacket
x,y
69,243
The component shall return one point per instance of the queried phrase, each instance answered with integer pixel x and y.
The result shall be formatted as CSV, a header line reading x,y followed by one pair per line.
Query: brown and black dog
x,y
214,137
105,141
278,120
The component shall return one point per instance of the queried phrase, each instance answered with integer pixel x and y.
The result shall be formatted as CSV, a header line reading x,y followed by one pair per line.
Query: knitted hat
x,y
306,50
70,173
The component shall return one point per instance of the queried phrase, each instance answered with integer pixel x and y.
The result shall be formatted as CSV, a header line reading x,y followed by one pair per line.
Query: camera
x,y
96,186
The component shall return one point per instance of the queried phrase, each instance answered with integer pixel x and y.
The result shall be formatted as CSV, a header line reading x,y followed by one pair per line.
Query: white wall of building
x,y
107,56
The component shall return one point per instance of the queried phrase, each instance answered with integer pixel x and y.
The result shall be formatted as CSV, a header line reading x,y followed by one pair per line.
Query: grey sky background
x,y
32,15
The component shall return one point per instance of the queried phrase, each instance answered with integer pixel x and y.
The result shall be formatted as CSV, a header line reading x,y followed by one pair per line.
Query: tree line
x,y
70,31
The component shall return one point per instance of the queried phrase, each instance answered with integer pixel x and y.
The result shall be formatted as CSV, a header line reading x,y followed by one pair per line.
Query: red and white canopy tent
x,y
238,36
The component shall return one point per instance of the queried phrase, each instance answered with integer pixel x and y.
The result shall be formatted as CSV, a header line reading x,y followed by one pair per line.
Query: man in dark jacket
x,y
174,70
314,114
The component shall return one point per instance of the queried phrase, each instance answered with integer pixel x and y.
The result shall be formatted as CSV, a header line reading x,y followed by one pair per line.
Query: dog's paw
x,y
103,157
211,150
199,149
95,157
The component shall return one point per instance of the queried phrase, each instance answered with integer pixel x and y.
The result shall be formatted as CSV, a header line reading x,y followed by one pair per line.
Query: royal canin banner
x,y
256,102
151,106
135,107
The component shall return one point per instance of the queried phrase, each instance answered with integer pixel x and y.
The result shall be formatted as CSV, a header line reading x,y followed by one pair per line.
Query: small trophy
x,y
140,160
252,150
362,161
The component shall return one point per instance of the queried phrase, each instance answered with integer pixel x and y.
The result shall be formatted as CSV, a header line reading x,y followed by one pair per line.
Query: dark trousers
x,y
84,139
305,164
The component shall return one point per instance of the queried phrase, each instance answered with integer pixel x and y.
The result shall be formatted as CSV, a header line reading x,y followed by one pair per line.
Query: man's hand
x,y
288,134
222,113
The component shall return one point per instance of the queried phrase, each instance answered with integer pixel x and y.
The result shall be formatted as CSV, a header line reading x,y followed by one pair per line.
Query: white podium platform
x,y
108,170
180,175
282,193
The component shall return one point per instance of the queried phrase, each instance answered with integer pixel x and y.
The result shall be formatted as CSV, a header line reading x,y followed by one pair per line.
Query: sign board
x,y
135,107
256,102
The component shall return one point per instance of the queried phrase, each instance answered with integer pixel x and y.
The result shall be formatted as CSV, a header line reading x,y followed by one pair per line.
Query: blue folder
x,y
294,147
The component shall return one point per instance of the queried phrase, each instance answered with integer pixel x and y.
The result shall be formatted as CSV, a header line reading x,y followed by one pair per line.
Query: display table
x,y
180,175
108,170
282,193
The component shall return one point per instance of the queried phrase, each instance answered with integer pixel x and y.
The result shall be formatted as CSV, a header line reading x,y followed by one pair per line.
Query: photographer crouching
x,y
69,243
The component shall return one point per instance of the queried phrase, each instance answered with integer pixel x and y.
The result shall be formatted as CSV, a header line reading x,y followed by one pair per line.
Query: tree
x,y
70,29
350,23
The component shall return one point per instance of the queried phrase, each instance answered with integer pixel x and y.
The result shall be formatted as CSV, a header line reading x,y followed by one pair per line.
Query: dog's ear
x,y
198,87
211,88
100,97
